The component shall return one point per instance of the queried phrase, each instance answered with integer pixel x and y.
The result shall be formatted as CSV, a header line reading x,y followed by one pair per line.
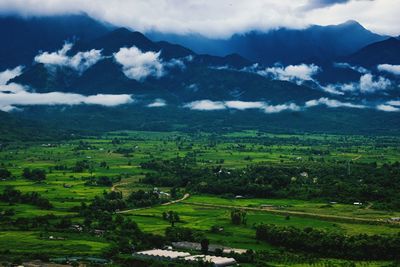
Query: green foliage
x,y
238,217
332,244
4,173
36,175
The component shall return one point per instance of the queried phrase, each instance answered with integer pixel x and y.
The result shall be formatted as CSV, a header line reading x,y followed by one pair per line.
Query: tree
x,y
172,217
204,245
238,217
4,173
37,175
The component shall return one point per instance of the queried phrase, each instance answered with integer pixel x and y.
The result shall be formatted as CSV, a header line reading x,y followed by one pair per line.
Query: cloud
x,y
80,62
394,69
138,65
205,105
387,108
157,103
9,74
209,18
12,95
367,84
241,105
331,103
344,65
394,103
323,3
24,98
296,73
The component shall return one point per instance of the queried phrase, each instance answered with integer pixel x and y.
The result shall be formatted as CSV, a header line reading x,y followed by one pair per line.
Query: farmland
x,y
72,168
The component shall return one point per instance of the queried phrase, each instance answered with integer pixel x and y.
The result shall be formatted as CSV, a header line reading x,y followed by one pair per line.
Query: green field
x,y
66,189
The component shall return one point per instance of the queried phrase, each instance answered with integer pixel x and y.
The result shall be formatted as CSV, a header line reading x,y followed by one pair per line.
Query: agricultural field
x,y
71,166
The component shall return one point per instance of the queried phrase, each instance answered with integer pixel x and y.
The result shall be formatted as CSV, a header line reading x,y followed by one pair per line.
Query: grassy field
x,y
124,151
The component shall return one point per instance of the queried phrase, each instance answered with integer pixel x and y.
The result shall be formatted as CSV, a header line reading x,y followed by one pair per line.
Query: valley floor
x,y
119,155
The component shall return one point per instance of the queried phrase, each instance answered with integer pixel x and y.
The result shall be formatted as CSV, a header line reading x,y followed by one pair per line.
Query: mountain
x,y
27,36
202,77
287,46
383,52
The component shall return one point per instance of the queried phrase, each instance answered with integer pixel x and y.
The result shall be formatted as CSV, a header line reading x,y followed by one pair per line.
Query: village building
x,y
161,254
216,261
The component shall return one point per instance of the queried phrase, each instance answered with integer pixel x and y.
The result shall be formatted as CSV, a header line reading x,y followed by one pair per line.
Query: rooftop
x,y
163,253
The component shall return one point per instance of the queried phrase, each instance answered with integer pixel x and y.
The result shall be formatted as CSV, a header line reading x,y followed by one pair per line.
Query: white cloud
x,y
138,65
368,84
10,100
394,69
296,73
80,62
9,74
205,105
331,103
344,65
157,103
394,103
387,108
209,17
241,105
12,95
280,108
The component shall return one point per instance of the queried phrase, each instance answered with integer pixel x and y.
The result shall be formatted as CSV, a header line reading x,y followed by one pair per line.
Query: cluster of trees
x,y
332,244
13,196
339,181
238,217
81,166
36,175
123,233
176,234
4,173
101,181
142,198
171,216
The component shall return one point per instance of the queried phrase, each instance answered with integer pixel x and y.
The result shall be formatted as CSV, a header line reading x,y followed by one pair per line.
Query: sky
x,y
219,18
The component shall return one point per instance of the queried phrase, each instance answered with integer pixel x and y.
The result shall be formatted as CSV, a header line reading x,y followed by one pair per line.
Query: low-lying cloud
x,y
344,65
331,103
13,95
80,62
387,108
9,74
367,84
294,73
240,105
394,69
157,103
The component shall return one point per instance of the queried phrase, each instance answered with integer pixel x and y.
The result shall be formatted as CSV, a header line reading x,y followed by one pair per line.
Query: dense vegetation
x,y
102,197
342,181
331,244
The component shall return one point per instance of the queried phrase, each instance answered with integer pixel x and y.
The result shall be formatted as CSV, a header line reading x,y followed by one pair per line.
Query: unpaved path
x,y
186,196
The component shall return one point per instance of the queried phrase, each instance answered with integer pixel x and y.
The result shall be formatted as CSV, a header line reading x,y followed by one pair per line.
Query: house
x,y
162,254
216,261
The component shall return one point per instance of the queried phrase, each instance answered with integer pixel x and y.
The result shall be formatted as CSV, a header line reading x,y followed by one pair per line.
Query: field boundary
x,y
325,217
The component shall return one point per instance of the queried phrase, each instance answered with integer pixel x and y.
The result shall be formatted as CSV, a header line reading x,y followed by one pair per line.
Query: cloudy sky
x,y
219,18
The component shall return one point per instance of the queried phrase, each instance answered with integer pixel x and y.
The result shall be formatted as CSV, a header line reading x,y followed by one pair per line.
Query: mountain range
x,y
338,78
